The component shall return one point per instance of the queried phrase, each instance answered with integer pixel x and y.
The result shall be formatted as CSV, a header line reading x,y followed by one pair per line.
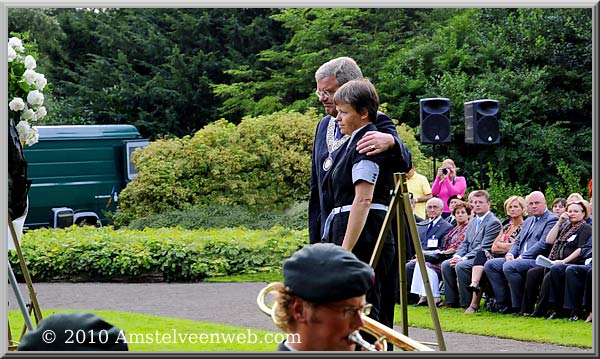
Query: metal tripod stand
x,y
33,306
400,206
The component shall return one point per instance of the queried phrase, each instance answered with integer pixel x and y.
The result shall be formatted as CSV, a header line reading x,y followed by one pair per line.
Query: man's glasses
x,y
323,94
348,312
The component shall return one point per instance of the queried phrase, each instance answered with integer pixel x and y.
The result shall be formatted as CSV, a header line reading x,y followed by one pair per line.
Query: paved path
x,y
229,303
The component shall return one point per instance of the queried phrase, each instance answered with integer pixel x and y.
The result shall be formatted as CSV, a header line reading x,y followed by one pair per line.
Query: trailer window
x,y
130,147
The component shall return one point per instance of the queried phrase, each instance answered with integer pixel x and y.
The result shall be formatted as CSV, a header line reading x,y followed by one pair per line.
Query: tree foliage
x,y
171,72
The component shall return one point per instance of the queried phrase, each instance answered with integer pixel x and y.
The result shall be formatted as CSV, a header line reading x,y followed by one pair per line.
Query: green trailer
x,y
77,173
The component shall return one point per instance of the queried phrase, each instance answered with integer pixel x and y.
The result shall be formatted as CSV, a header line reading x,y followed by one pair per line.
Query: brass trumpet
x,y
371,326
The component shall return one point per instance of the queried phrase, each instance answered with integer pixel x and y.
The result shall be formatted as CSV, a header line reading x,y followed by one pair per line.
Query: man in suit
x,y
431,235
321,299
482,229
328,144
508,274
329,140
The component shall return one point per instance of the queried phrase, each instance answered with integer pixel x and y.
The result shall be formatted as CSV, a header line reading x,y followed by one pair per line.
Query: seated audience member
x,y
514,207
431,235
574,279
573,197
567,242
322,298
451,201
461,211
482,229
510,271
559,206
587,294
99,334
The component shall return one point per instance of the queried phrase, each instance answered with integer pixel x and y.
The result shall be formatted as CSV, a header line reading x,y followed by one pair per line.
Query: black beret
x,y
325,272
458,196
74,332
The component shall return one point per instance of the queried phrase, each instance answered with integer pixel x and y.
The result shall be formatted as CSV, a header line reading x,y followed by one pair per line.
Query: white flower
x,y
35,98
28,114
12,54
40,113
27,134
16,104
16,44
40,81
32,136
27,100
29,76
29,62
22,129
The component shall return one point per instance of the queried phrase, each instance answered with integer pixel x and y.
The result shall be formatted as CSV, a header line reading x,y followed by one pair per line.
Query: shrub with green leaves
x,y
215,216
264,162
175,254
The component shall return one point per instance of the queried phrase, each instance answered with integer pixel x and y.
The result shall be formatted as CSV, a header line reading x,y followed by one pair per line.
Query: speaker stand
x,y
434,164
480,160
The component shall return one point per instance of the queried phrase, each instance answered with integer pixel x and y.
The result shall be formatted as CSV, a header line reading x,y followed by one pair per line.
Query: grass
x,y
253,277
558,331
145,331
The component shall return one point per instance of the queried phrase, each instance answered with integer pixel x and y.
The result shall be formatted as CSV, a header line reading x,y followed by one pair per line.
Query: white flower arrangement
x,y
25,87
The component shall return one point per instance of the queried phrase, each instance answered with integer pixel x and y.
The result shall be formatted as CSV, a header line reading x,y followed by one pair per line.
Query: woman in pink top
x,y
447,184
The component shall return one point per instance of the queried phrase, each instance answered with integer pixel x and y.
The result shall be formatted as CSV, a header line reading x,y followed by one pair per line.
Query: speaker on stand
x,y
481,126
481,122
435,123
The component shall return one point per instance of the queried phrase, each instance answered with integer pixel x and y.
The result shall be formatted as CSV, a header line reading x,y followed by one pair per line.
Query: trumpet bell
x,y
371,326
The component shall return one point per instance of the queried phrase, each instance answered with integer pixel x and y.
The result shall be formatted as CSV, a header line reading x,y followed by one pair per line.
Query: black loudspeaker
x,y
435,120
481,122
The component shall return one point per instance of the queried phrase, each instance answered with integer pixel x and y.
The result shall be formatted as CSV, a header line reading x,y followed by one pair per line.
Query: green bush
x,y
175,254
499,189
215,216
263,162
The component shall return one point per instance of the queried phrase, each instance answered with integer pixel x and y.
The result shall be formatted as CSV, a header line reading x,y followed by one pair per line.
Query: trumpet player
x,y
322,298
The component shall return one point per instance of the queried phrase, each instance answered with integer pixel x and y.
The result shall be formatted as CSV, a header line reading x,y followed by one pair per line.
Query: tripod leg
x,y
36,307
17,291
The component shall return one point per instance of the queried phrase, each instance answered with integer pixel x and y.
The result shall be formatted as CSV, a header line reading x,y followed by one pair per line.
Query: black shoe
x,y
573,318
476,289
490,305
506,310
552,316
440,304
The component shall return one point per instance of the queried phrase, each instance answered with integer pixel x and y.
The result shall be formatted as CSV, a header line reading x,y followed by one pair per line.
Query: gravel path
x,y
230,303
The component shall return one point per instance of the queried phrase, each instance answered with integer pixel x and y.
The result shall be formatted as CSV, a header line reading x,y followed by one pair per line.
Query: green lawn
x,y
150,333
558,331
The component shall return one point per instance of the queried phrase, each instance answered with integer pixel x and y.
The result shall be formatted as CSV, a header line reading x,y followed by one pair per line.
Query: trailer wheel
x,y
86,218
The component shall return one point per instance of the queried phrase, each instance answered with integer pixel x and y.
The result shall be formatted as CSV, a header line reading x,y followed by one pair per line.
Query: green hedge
x,y
215,216
174,254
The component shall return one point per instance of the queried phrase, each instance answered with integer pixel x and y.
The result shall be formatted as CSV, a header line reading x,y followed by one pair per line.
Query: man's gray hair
x,y
435,200
343,68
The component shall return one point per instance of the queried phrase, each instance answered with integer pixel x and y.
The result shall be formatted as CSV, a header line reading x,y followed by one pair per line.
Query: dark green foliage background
x,y
171,72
